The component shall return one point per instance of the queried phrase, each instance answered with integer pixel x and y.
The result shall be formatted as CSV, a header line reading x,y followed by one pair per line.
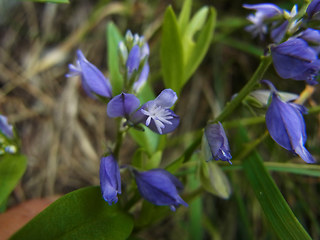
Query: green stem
x,y
257,76
120,136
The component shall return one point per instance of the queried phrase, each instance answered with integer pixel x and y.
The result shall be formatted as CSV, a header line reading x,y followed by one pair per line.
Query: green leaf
x,y
142,161
81,214
147,139
113,39
49,1
275,207
214,180
171,53
201,46
12,168
184,16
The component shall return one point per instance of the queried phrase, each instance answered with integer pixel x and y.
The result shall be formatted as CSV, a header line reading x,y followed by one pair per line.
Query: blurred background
x,y
64,132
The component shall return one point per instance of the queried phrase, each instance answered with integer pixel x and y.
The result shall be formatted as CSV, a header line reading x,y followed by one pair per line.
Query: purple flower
x,y
93,81
296,60
286,125
5,127
264,12
313,8
159,187
110,182
311,36
218,142
157,115
133,61
122,105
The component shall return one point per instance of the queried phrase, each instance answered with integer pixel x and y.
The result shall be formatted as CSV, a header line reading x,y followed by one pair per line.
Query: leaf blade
x,y
12,168
171,53
81,214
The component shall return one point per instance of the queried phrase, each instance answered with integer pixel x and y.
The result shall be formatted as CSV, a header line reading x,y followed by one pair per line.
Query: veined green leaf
x,y
214,180
113,39
201,46
171,52
184,16
275,207
49,1
12,168
82,214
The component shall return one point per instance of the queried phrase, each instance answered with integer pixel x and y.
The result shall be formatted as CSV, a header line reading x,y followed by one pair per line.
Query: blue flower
x,y
157,115
159,187
286,125
5,127
313,9
296,60
264,12
123,105
110,182
218,142
312,36
93,81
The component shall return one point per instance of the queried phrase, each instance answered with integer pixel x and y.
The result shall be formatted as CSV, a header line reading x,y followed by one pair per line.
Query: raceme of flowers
x,y
295,48
157,186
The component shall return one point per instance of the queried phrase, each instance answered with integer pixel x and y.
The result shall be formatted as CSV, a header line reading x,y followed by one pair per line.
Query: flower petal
x,y
166,98
5,127
122,105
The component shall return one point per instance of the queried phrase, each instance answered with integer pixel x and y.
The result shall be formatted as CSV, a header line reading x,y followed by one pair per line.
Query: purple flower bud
x,y
311,36
122,105
218,142
142,78
133,61
296,60
286,125
5,127
93,81
313,8
110,182
159,187
156,114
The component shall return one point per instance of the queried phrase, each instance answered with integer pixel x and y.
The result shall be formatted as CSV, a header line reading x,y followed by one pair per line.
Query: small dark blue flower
x,y
5,127
93,81
157,115
218,142
313,9
159,187
286,125
110,182
312,36
296,60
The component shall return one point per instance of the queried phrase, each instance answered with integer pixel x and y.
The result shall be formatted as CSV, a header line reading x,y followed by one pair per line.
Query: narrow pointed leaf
x,y
184,16
113,39
81,214
276,209
171,52
12,168
201,46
